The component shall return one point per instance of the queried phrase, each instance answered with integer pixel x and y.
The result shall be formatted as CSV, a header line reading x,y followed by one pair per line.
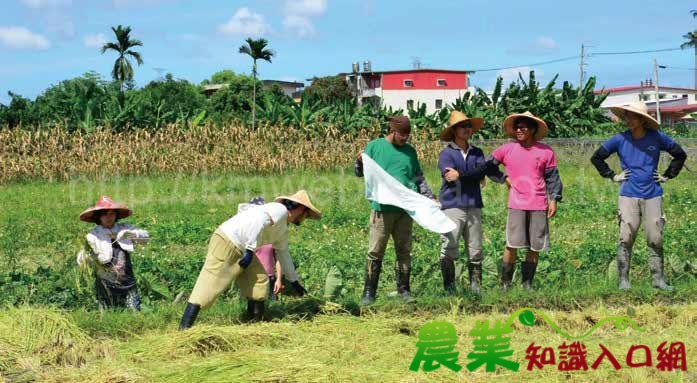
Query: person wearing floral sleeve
x,y
109,246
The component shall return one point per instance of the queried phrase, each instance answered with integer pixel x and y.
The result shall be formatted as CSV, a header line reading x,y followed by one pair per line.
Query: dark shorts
x,y
527,229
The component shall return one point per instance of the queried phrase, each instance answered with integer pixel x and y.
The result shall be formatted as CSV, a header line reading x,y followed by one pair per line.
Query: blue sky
x,y
45,41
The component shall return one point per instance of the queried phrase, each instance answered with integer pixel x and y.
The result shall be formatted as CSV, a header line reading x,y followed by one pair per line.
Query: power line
x,y
674,67
633,52
576,57
524,65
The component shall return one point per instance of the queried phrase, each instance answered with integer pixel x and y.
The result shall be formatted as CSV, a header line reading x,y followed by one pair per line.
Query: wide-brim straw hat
x,y
302,198
637,108
105,203
456,117
510,121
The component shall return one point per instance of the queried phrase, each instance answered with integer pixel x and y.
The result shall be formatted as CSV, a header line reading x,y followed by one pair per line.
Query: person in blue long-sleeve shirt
x,y
641,195
463,167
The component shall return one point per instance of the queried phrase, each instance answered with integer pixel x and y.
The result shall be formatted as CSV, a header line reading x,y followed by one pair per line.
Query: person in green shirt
x,y
398,159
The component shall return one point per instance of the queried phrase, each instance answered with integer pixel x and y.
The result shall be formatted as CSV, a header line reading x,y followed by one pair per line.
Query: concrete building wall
x,y
629,96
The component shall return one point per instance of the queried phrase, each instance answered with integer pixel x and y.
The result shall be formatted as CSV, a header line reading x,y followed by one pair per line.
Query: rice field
x,y
51,331
48,345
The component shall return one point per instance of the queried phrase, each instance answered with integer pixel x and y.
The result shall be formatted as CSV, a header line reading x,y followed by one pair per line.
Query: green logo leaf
x,y
527,318
630,311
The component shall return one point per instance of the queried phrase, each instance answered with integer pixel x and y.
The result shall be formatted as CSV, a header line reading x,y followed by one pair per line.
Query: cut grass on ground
x,y
373,347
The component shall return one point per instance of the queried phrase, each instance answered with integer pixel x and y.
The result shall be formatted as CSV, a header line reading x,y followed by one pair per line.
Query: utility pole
x,y
581,65
658,99
695,66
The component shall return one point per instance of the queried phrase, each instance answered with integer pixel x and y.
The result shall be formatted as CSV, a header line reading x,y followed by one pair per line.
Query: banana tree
x,y
305,114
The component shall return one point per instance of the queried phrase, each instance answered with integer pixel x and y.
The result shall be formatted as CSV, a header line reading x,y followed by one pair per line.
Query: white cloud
x,y
189,37
22,38
55,20
137,3
94,40
39,4
300,26
299,14
61,24
541,46
245,22
306,7
544,42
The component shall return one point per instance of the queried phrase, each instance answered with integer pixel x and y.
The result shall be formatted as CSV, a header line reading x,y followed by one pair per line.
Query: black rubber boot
x,y
507,270
447,268
372,277
255,311
528,269
403,288
272,282
475,277
189,317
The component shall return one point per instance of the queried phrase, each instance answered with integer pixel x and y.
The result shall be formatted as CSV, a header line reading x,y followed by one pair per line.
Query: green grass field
x,y
53,333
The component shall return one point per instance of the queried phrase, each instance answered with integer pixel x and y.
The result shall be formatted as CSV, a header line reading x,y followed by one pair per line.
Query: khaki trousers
x,y
386,224
633,212
221,268
468,226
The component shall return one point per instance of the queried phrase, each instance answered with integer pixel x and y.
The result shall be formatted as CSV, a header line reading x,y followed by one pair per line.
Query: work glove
x,y
659,178
622,176
298,288
124,234
82,257
246,259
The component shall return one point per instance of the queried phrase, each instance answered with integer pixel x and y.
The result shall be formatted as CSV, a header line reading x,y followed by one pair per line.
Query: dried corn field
x,y
54,154
57,155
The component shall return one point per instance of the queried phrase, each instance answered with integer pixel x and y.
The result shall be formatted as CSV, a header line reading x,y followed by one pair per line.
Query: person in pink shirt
x,y
267,257
535,188
272,266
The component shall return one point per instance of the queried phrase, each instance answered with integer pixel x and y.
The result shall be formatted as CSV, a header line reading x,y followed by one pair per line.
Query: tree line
x,y
91,102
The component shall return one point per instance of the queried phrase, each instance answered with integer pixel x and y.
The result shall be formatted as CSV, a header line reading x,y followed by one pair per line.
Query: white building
x,y
675,104
628,94
289,88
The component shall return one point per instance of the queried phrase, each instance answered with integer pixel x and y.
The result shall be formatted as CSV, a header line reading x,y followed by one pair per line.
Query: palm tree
x,y
256,49
691,42
123,70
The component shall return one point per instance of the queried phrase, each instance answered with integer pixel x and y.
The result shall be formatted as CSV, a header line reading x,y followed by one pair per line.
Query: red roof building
x,y
404,89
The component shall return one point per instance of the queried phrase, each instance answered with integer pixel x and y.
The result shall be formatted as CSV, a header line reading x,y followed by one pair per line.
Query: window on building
x,y
410,104
440,82
408,83
439,104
